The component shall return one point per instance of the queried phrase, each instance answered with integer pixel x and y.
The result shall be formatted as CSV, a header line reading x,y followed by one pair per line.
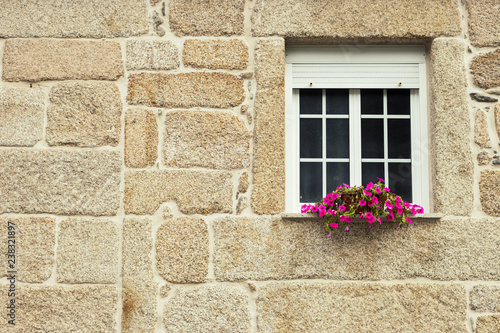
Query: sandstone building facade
x,y
143,164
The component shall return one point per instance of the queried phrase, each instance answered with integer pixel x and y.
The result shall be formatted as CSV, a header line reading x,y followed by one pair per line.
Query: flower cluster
x,y
370,204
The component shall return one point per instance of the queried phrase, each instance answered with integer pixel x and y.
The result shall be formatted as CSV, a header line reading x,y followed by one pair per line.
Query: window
x,y
354,114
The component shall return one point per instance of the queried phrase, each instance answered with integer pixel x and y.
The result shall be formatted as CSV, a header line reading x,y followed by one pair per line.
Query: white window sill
x,y
309,216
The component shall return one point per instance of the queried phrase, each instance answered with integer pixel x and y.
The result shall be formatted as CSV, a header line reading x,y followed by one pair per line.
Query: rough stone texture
x,y
208,308
166,212
185,90
61,309
164,290
497,119
484,24
59,182
182,250
489,192
481,136
195,192
52,59
494,91
488,324
356,19
353,307
34,240
485,298
450,152
207,139
243,183
87,251
268,248
152,55
21,116
215,54
268,193
483,158
84,114
77,18
141,138
207,18
139,288
485,70
483,98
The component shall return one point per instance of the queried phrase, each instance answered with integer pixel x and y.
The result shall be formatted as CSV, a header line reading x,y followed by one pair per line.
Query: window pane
x,y
337,138
399,138
400,180
337,101
310,101
398,101
372,101
310,138
336,174
370,172
311,182
372,138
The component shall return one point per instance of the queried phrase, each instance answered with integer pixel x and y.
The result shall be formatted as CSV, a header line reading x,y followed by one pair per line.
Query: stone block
x,y
53,59
376,20
483,158
62,309
195,192
360,307
488,324
21,116
74,19
450,151
208,139
60,182
34,245
215,54
141,138
185,90
87,251
485,298
485,70
243,183
271,249
84,114
152,55
268,192
182,250
207,18
208,308
140,291
489,192
481,136
484,23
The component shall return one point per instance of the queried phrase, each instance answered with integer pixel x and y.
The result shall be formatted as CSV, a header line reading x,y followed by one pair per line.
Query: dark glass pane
x,y
311,182
310,138
398,101
337,101
399,134
372,138
310,101
372,101
336,174
337,138
400,180
370,172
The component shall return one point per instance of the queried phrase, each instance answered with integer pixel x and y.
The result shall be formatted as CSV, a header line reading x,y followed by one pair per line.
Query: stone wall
x,y
142,163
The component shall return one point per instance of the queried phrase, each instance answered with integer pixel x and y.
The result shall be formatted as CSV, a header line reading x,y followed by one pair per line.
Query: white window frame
x,y
311,59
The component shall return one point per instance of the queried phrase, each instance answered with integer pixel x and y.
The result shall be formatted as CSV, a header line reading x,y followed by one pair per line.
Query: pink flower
x,y
327,201
305,208
398,199
348,219
387,189
334,225
378,207
390,217
378,190
338,187
400,211
367,193
335,196
342,218
381,180
369,185
369,217
332,212
379,220
420,210
342,208
314,209
346,229
362,202
388,204
322,210
361,216
409,221
346,185
329,235
373,202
